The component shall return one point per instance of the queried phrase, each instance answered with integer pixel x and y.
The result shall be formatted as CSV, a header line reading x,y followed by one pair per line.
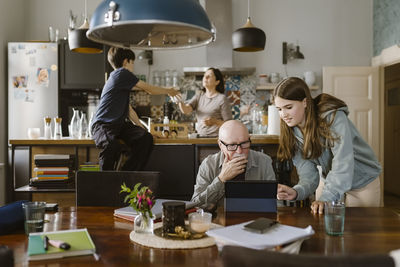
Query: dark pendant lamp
x,y
248,38
78,42
151,24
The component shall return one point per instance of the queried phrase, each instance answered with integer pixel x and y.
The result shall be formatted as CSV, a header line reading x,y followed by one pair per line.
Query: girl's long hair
x,y
316,127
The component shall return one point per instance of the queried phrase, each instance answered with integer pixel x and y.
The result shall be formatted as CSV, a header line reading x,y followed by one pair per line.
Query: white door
x,y
359,88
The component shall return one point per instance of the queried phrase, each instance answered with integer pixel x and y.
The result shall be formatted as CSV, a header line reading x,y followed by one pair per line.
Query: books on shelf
x,y
128,213
89,166
51,156
54,160
52,183
279,234
53,171
79,239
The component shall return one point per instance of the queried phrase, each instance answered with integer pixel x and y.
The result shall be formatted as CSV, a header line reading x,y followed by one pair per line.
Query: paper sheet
x,y
279,234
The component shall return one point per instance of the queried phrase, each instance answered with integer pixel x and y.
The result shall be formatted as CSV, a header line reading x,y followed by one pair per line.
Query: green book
x,y
78,239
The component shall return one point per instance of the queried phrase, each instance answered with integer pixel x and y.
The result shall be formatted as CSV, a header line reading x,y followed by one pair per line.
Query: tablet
x,y
250,196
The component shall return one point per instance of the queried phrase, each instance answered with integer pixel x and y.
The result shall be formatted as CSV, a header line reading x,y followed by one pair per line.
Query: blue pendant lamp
x,y
78,42
248,38
151,24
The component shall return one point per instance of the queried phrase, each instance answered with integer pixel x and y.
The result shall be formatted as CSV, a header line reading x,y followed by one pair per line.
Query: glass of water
x,y
34,216
334,217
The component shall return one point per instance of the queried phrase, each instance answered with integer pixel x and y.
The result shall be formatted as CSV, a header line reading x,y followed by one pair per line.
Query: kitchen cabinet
x,y
82,71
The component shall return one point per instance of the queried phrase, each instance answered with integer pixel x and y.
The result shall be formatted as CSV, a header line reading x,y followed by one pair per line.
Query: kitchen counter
x,y
257,139
177,159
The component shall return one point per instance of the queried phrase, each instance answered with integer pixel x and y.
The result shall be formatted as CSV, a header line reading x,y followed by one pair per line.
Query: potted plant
x,y
141,200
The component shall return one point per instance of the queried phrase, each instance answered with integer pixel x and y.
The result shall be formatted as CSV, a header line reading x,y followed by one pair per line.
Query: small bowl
x,y
33,133
200,222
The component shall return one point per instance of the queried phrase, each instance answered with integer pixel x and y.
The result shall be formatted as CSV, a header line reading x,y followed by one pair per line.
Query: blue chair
x,y
11,217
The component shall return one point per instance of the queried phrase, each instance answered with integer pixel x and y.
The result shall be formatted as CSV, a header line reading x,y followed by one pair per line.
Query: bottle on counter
x,y
89,130
47,128
57,128
166,121
83,126
74,126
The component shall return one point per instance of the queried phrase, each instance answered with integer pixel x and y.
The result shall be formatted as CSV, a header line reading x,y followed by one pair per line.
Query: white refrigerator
x,y
32,86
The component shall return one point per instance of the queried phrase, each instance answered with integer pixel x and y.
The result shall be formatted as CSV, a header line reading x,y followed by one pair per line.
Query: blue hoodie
x,y
349,164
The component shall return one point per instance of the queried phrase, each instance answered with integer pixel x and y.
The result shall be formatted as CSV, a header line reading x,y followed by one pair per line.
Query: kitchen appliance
x,y
32,86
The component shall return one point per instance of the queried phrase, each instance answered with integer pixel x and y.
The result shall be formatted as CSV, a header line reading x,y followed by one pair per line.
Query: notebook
x,y
129,213
79,239
250,196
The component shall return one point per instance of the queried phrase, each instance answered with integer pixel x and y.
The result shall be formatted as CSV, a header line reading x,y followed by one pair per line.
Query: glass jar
x,y
47,128
83,127
57,128
74,125
143,224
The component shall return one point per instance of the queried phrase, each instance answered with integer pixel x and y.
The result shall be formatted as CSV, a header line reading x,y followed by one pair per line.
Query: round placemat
x,y
155,241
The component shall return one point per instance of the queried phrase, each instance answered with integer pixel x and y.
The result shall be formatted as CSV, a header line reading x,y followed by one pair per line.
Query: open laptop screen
x,y
250,196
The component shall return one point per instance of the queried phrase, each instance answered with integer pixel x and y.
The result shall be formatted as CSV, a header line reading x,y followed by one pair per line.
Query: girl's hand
x,y
317,207
286,192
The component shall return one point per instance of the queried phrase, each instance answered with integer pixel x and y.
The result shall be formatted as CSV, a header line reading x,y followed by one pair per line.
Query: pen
x,y
46,242
59,244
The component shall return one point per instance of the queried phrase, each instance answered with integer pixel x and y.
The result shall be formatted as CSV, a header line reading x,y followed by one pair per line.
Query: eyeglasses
x,y
233,147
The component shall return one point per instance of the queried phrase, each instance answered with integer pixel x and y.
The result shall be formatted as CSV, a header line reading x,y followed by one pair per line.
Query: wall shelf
x,y
271,86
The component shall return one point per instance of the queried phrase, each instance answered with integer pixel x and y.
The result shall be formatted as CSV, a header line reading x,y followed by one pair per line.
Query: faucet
x,y
148,124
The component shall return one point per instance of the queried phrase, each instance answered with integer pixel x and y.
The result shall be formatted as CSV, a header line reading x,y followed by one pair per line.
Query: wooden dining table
x,y
367,230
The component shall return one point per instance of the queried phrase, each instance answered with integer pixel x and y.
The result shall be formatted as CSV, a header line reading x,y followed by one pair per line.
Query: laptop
x,y
250,196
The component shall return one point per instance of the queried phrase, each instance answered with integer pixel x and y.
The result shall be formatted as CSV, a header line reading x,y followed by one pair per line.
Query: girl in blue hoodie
x,y
317,132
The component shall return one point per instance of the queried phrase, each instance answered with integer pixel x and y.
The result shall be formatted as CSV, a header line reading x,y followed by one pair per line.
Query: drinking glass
x,y
334,217
34,216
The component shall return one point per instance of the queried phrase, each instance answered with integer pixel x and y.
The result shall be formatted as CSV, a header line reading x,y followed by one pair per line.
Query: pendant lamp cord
x,y
85,9
248,8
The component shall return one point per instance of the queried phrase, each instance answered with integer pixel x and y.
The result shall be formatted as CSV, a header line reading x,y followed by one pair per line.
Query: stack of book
x,y
89,166
53,171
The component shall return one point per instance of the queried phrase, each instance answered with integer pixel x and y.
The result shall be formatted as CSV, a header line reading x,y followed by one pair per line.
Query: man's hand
x,y
286,192
317,207
232,168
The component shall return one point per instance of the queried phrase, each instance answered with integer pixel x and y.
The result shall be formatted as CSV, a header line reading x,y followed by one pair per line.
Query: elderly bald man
x,y
234,159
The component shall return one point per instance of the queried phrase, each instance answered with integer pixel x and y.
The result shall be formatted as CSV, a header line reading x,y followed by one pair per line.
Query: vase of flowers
x,y
142,200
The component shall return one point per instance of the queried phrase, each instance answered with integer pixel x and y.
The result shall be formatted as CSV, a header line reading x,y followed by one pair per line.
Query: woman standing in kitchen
x,y
317,132
212,107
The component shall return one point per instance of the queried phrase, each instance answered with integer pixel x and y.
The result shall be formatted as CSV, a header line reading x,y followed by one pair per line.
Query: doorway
x,y
392,128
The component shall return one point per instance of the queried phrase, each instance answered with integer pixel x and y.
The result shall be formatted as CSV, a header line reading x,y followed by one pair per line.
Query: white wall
x,y
329,32
12,14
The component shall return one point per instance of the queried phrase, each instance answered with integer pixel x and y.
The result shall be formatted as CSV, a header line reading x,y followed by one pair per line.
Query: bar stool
x,y
123,157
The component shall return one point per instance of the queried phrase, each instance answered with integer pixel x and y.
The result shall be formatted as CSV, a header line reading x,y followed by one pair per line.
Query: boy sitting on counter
x,y
115,119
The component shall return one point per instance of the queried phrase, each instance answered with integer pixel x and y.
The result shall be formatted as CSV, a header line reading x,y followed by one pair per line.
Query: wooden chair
x,y
239,256
6,256
101,188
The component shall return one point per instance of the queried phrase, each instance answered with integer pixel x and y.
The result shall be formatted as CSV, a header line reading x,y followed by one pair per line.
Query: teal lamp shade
x,y
151,24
